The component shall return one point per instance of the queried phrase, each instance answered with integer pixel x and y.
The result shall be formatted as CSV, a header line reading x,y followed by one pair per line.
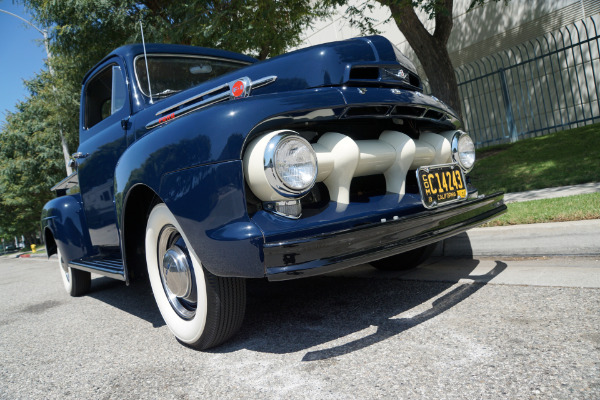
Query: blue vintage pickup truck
x,y
199,168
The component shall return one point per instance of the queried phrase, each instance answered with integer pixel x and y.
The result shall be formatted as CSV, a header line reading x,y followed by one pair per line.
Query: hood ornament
x,y
240,88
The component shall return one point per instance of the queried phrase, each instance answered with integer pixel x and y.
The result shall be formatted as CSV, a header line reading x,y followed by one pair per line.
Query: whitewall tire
x,y
201,309
75,281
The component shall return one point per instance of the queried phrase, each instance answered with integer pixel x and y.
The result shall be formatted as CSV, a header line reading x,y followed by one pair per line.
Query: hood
x,y
364,62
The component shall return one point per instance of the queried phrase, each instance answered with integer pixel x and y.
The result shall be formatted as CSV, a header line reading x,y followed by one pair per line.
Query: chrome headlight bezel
x,y
457,150
276,181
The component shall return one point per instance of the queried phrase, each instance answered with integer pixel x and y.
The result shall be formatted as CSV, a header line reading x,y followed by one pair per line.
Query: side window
x,y
104,95
118,90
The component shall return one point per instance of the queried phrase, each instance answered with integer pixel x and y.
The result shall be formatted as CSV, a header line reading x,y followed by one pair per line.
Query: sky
x,y
22,54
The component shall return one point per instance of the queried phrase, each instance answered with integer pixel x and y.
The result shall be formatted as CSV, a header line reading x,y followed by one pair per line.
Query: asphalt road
x,y
473,329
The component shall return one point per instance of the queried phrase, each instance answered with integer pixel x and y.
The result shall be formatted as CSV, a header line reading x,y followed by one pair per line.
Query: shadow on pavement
x,y
298,315
392,327
293,316
135,299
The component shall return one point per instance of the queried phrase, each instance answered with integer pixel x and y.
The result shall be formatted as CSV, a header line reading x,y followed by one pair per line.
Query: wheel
x,y
77,282
201,309
404,261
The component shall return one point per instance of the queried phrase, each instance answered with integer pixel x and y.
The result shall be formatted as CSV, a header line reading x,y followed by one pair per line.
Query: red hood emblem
x,y
237,89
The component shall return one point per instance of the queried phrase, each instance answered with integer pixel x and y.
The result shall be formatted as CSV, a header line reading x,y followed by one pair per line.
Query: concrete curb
x,y
30,255
576,238
39,254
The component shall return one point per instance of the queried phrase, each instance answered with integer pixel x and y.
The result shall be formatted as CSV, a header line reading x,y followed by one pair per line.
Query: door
x,y
105,103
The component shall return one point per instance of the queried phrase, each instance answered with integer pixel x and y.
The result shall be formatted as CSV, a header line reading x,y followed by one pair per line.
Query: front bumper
x,y
337,250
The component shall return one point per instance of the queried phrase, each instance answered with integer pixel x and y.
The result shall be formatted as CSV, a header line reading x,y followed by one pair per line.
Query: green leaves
x,y
30,161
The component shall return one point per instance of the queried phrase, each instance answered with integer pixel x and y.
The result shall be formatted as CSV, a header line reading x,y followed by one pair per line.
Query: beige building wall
x,y
480,32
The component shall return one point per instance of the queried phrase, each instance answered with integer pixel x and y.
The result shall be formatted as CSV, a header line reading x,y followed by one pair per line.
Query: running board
x,y
110,267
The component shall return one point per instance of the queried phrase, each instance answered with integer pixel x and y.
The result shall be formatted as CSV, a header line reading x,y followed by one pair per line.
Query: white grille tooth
x,y
325,161
395,176
376,157
424,154
441,145
345,154
448,135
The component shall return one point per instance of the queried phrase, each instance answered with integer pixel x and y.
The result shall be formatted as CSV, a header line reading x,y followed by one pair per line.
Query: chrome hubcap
x,y
177,272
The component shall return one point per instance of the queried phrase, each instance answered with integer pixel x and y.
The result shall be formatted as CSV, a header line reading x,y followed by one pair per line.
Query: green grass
x,y
572,208
563,158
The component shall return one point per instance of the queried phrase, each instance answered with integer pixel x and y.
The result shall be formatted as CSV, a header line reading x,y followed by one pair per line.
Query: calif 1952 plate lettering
x,y
441,184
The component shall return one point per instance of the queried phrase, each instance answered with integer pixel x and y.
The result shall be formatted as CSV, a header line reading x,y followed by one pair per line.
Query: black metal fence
x,y
543,85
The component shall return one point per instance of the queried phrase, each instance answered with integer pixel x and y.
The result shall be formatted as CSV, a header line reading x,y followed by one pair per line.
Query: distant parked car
x,y
201,168
10,248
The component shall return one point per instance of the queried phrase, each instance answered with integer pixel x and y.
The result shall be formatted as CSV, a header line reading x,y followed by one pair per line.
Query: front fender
x,y
217,133
210,206
65,219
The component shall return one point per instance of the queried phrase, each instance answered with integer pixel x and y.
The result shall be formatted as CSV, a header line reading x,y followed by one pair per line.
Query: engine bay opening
x,y
363,188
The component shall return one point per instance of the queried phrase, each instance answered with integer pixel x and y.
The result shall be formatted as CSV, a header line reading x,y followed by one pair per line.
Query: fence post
x,y
510,119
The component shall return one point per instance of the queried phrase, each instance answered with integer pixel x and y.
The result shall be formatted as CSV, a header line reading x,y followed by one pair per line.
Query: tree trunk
x,y
63,139
65,150
264,52
440,73
430,48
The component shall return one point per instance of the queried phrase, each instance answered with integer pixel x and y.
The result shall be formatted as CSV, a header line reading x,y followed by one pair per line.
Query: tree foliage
x,y
28,166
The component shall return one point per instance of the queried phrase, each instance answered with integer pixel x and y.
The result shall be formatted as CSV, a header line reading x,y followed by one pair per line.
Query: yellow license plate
x,y
441,184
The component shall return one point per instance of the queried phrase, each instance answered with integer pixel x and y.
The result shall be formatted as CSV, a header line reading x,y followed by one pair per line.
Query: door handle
x,y
79,155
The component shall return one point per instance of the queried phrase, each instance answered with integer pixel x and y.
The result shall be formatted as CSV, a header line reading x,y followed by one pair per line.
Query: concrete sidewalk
x,y
550,193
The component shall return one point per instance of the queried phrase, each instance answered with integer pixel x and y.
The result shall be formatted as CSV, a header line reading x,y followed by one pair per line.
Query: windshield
x,y
170,74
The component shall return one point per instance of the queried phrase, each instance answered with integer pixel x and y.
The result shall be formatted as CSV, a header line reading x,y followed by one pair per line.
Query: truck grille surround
x,y
351,169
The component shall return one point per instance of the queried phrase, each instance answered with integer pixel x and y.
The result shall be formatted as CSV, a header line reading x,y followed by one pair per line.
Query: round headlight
x,y
290,164
295,163
463,150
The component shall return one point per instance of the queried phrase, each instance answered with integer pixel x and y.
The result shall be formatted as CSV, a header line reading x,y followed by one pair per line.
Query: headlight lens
x,y
295,163
463,150
290,164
